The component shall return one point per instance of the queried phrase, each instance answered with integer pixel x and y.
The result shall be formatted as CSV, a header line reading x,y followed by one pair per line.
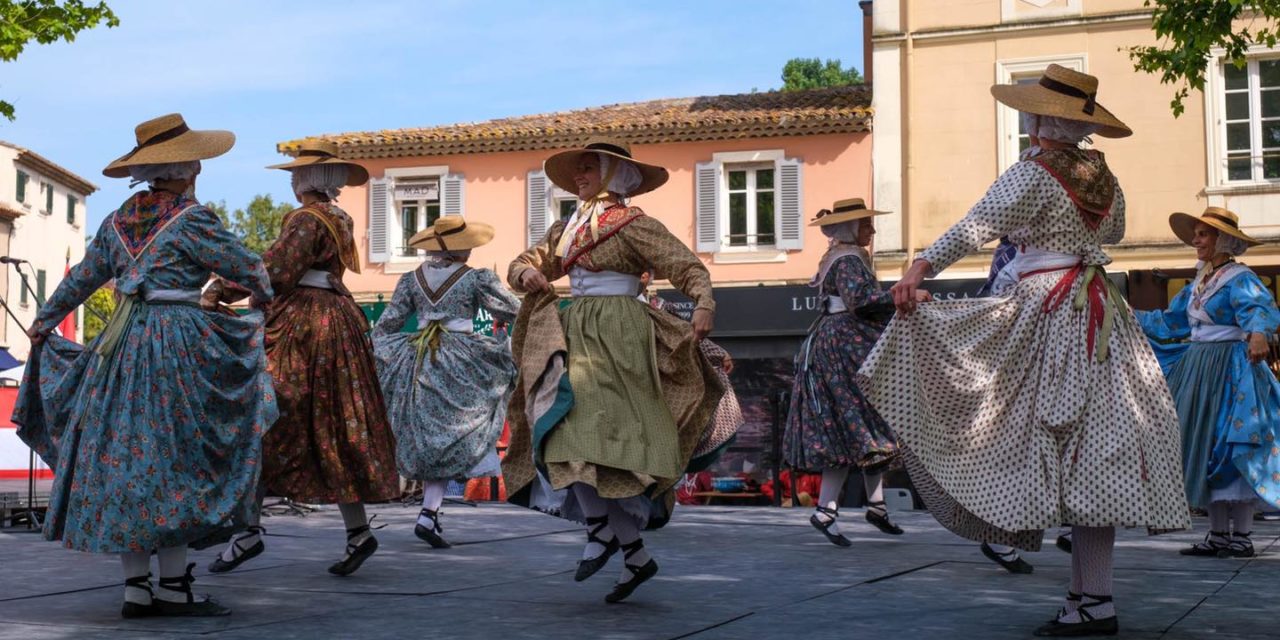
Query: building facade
x,y
941,139
42,219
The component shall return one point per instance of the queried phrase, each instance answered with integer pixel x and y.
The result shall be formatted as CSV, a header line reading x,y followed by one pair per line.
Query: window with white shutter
x,y
748,206
537,209
451,197
379,219
707,195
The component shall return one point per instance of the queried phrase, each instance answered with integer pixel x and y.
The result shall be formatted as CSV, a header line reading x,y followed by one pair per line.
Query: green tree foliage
x,y
103,301
1190,29
45,21
811,73
258,224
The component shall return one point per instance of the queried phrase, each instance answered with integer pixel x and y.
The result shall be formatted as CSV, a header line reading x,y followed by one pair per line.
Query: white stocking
x,y
432,498
173,564
829,495
1094,547
1242,517
136,564
624,526
593,506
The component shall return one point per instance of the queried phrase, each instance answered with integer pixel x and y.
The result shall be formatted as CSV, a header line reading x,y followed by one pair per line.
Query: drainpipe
x,y
908,219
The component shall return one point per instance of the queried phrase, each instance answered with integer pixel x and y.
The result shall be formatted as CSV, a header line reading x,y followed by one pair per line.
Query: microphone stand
x,y
31,453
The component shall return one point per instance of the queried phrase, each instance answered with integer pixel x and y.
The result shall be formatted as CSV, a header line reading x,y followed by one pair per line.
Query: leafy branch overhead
x,y
257,225
1190,30
45,22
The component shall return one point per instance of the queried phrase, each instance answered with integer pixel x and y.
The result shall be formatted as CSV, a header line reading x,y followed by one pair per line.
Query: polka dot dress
x,y
1008,423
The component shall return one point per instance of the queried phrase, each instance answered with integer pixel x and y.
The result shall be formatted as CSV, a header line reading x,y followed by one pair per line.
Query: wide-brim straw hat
x,y
1184,225
561,167
1063,93
168,139
313,152
844,211
452,233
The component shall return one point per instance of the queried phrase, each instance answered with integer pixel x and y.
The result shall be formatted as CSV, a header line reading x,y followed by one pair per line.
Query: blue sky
x,y
272,70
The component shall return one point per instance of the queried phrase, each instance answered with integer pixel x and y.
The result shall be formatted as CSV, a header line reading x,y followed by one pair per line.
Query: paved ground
x,y
726,573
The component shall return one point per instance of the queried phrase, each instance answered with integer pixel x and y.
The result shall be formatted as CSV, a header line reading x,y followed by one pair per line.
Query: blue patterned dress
x,y
157,442
1229,408
831,424
446,389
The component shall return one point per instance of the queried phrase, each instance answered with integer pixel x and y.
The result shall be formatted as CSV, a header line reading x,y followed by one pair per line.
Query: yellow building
x,y
941,139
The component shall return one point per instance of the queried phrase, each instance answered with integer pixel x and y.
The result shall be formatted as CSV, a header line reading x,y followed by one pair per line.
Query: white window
x,y
751,202
406,201
544,204
1012,139
749,206
1249,129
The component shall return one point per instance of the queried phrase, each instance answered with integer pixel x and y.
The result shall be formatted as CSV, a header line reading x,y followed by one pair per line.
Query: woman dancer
x,y
613,396
1044,407
446,386
831,427
155,428
1228,400
332,443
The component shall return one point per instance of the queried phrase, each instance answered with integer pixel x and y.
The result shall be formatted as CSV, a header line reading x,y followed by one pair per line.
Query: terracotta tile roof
x,y
51,169
7,213
747,115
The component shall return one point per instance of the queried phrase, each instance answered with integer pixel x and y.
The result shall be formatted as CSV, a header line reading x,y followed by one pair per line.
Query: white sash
x,y
584,283
1028,260
191,296
452,325
1203,327
835,304
316,279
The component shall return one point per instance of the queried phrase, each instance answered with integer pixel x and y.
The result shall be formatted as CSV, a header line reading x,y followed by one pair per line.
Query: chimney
x,y
865,5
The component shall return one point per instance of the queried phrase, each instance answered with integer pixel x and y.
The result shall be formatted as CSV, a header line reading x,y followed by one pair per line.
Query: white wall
x,y
39,236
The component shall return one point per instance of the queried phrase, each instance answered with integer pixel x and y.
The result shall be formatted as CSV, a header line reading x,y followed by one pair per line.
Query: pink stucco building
x,y
747,173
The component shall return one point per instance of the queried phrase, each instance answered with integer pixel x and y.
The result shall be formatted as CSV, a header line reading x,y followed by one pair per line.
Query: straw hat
x,y
168,139
1184,224
315,151
844,211
1063,93
452,233
562,166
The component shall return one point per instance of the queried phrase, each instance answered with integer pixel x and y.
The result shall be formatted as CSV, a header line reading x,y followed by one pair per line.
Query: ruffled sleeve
x,y
541,256
1168,324
392,319
1012,202
492,296
1254,307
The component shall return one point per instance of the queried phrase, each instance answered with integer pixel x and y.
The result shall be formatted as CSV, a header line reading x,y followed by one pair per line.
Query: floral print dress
x,y
157,442
831,424
447,390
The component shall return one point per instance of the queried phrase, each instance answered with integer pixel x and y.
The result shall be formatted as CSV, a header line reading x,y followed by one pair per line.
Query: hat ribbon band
x,y
440,235
1228,221
163,136
1090,99
611,148
851,207
315,152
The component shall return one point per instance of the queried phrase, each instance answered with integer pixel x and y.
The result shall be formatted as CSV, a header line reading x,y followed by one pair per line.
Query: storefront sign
x,y
418,191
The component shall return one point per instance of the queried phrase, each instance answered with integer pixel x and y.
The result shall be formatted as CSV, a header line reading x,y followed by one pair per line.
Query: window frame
x,y
725,253
1215,93
752,214
72,201
1008,125
20,187
48,198
395,223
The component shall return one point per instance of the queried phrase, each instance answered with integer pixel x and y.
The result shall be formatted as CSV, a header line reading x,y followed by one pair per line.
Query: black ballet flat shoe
x,y
134,609
1014,565
356,553
1063,543
1240,546
1207,548
192,608
1088,625
878,516
432,535
239,554
589,567
640,575
837,539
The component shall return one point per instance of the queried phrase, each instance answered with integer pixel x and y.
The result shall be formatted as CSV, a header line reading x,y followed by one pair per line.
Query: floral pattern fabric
x,y
333,443
447,408
831,424
159,444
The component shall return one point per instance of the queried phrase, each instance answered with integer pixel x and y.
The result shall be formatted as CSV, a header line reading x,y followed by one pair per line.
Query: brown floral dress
x,y
332,443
